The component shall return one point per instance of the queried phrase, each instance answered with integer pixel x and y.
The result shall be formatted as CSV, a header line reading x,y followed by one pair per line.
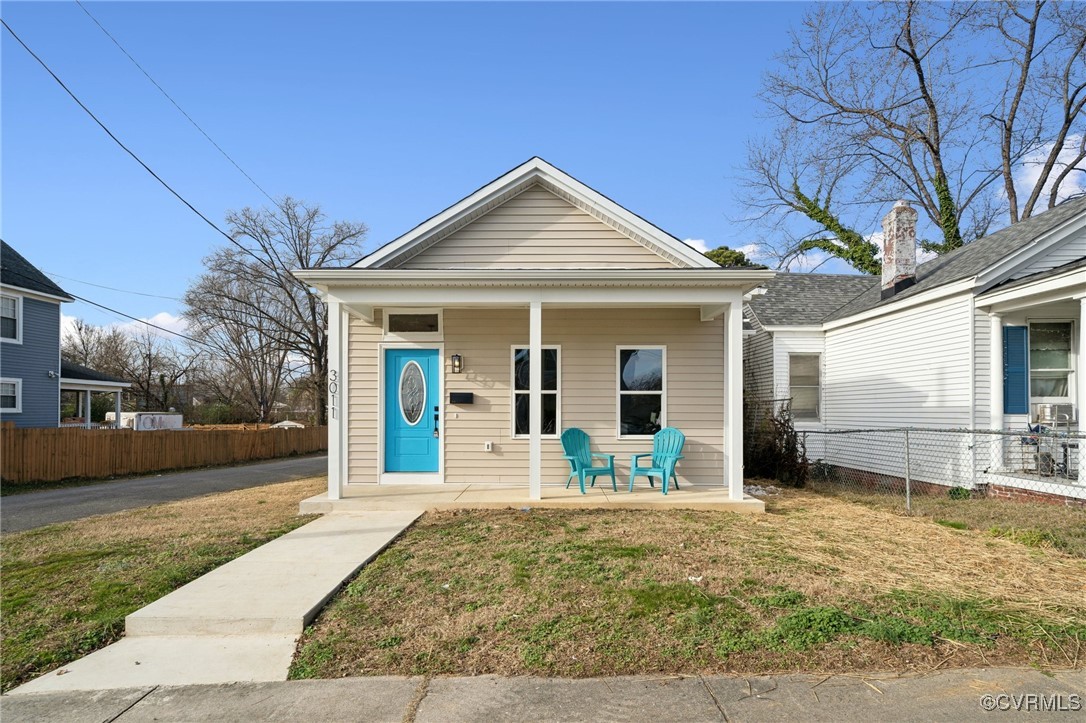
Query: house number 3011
x,y
333,388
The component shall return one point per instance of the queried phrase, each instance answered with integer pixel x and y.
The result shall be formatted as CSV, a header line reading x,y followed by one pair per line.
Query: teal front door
x,y
412,406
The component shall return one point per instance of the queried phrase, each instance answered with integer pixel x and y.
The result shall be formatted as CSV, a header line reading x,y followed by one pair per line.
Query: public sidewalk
x,y
958,695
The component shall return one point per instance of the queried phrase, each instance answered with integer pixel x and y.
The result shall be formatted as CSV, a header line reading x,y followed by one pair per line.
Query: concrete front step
x,y
277,588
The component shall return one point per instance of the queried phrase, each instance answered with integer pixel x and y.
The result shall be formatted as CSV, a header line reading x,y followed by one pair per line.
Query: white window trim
x,y
818,400
18,408
619,392
18,318
438,335
1075,362
513,393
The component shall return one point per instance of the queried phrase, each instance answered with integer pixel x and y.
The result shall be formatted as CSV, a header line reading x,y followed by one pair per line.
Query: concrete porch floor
x,y
373,497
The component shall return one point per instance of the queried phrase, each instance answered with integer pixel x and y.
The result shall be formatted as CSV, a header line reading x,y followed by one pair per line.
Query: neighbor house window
x,y
551,392
1050,360
10,308
642,392
803,385
11,395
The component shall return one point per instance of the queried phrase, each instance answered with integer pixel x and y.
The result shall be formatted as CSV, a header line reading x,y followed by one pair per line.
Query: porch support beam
x,y
995,374
117,409
87,409
733,400
535,393
337,442
712,311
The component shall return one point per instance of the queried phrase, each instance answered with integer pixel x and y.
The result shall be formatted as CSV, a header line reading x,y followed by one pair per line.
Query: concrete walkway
x,y
959,695
240,621
35,509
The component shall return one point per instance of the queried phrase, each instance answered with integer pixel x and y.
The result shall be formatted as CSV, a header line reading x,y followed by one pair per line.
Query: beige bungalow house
x,y
433,340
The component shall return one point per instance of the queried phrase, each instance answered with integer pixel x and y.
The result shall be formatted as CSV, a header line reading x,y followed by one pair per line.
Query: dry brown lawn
x,y
67,588
817,584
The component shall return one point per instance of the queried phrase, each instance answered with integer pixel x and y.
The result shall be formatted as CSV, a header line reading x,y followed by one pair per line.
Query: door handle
x,y
437,433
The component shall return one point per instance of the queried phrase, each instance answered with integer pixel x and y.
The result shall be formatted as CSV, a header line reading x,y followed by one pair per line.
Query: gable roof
x,y
806,299
534,172
16,271
971,259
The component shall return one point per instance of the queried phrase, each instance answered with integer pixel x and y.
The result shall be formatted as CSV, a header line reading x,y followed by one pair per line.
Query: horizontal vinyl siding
x,y
1071,249
588,338
536,229
32,361
758,365
909,368
982,339
362,399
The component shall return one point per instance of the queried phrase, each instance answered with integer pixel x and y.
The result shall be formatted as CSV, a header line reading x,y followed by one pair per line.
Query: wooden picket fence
x,y
50,455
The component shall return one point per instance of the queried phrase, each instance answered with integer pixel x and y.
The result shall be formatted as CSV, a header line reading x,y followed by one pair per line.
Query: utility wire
x,y
175,104
111,288
116,140
13,272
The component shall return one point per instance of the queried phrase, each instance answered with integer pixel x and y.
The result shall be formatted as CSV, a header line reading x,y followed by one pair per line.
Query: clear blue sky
x,y
382,113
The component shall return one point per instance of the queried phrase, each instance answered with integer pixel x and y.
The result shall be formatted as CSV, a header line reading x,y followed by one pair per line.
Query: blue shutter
x,y
1016,370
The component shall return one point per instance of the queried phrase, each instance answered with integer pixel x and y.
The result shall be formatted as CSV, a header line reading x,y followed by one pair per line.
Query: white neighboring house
x,y
988,336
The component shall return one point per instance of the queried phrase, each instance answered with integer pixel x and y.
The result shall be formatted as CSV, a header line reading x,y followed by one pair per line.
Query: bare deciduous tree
x,y
263,295
972,110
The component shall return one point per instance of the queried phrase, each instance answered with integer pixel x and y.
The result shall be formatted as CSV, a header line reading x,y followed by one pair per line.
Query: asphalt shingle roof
x,y
806,299
70,370
17,271
969,260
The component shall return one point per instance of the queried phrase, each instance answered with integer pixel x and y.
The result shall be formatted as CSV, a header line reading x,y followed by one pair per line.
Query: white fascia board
x,y
1003,270
927,297
481,296
94,386
29,293
812,329
1069,285
536,169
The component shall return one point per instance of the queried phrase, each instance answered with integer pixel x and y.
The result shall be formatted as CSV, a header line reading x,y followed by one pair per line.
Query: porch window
x,y
9,317
413,324
642,391
11,395
803,385
1050,360
522,399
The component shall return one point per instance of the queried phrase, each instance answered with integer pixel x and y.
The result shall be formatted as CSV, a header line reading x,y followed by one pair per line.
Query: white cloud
x,y
67,324
163,319
1029,172
698,243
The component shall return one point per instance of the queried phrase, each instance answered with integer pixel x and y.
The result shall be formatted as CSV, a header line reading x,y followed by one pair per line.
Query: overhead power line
x,y
111,288
116,140
174,102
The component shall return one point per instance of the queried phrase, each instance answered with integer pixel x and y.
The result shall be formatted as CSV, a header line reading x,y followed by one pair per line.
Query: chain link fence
x,y
923,465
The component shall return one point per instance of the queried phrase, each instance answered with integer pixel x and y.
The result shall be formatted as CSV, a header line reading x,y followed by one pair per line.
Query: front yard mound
x,y
817,584
67,588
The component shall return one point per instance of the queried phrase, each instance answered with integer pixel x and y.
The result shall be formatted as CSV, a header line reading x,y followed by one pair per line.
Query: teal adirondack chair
x,y
579,454
667,447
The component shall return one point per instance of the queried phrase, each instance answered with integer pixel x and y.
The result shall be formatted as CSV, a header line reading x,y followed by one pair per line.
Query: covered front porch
x,y
626,352
86,385
1036,391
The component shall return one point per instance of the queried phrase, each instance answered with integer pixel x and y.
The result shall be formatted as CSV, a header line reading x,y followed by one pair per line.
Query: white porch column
x,y
337,447
1080,387
117,409
535,401
733,400
87,409
995,375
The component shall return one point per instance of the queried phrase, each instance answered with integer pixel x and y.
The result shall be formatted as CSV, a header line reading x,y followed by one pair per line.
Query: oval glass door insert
x,y
412,392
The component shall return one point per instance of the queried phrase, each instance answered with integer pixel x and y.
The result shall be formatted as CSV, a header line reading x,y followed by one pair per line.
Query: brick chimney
x,y
898,249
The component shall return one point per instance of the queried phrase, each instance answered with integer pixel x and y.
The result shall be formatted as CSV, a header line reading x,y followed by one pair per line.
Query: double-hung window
x,y
642,391
11,395
10,322
551,392
1050,361
803,385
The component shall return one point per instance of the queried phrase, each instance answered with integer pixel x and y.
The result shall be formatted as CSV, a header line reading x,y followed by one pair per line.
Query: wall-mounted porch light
x,y
457,364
